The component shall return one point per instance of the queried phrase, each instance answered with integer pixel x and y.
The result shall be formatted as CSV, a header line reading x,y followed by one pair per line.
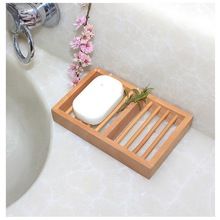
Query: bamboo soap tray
x,y
139,138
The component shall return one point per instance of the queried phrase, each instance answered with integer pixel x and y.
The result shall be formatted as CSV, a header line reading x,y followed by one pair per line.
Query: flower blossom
x,y
82,46
87,47
83,58
74,69
75,43
75,80
88,28
80,21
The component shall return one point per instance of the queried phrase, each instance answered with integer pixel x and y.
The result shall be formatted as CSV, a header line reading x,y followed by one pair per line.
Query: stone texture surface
x,y
80,180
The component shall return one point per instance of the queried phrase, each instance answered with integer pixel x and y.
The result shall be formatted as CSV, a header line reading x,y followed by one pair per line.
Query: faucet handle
x,y
13,19
26,31
17,26
22,17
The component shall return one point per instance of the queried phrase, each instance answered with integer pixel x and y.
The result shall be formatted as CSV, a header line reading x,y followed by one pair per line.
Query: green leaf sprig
x,y
136,96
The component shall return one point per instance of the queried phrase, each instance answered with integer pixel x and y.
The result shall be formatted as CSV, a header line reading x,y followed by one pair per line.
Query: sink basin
x,y
28,133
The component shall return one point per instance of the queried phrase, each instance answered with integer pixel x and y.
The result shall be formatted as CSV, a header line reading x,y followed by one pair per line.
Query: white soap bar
x,y
98,99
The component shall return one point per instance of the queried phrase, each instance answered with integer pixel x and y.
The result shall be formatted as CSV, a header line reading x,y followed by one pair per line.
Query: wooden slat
x,y
169,144
132,123
167,105
159,137
102,124
152,130
146,122
118,125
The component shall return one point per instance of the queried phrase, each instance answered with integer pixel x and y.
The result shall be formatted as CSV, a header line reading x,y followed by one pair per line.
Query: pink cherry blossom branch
x,y
82,46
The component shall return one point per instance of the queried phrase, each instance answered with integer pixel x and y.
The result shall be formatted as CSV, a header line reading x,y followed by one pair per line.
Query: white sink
x,y
28,133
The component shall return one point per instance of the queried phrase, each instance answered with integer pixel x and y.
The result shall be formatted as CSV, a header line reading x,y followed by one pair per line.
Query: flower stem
x,y
87,14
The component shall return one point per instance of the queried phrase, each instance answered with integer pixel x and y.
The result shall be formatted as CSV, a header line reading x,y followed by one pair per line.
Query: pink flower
x,y
87,48
75,43
80,21
72,70
88,28
85,37
83,58
71,73
75,80
83,47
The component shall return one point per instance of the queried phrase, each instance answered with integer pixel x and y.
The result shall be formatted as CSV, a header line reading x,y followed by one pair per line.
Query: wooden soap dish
x,y
139,138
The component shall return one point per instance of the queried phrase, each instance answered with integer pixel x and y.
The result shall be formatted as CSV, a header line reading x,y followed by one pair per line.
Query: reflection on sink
x,y
28,133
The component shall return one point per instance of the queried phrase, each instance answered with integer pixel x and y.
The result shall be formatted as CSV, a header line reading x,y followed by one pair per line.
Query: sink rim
x,y
49,122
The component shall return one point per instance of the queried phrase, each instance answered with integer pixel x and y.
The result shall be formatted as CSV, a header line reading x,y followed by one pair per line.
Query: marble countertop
x,y
80,180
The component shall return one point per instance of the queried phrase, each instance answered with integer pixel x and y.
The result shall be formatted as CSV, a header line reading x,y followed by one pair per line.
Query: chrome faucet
x,y
22,17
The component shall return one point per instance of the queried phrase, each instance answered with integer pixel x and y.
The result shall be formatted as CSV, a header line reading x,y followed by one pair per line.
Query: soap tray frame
x,y
109,139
